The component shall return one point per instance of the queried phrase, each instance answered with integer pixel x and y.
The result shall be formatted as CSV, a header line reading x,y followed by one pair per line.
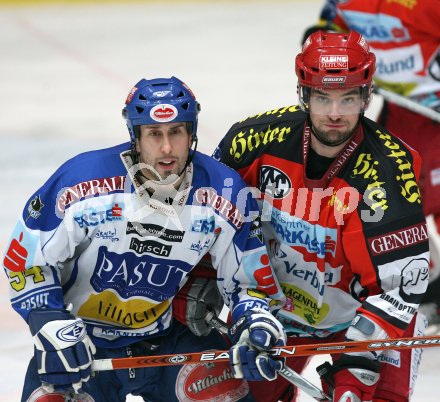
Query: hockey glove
x,y
253,335
354,377
62,348
198,298
350,379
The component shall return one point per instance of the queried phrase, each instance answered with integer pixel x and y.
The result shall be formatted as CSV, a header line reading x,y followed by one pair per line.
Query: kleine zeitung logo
x,y
333,61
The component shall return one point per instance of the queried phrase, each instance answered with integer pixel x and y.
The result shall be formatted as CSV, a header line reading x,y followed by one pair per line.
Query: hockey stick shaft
x,y
303,384
409,104
285,351
289,374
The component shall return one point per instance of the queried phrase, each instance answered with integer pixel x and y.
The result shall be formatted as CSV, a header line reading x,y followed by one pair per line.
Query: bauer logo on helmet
x,y
332,80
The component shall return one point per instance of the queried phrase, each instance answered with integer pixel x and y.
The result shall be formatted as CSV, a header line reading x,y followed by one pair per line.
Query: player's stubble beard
x,y
334,138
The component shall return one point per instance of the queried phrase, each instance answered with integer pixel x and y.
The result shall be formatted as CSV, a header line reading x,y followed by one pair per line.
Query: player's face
x,y
165,147
334,113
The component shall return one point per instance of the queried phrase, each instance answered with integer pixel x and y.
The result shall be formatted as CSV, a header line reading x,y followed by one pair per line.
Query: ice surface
x,y
65,72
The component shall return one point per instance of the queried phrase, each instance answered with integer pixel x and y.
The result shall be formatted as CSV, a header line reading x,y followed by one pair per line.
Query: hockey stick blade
x,y
285,351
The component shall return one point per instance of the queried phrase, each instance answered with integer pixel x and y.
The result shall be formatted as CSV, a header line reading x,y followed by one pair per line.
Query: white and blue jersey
x,y
93,238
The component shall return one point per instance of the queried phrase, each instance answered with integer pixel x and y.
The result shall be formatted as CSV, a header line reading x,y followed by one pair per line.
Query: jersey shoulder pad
x,y
250,138
212,173
385,172
92,164
84,175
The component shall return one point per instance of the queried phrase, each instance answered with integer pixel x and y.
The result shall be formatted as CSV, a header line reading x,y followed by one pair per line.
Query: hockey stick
x,y
303,384
289,374
284,351
409,104
131,362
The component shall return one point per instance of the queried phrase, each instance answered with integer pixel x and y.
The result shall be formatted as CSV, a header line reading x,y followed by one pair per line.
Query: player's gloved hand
x,y
253,335
354,377
350,378
199,298
62,348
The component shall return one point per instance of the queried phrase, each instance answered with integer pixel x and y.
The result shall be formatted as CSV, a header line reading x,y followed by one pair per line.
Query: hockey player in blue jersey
x,y
104,246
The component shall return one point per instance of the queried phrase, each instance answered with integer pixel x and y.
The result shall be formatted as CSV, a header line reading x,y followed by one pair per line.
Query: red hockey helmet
x,y
331,60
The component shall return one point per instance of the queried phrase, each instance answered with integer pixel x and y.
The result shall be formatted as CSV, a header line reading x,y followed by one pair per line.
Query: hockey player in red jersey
x,y
405,37
343,221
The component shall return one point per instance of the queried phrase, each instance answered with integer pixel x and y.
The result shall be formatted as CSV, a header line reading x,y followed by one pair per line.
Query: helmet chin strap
x,y
190,155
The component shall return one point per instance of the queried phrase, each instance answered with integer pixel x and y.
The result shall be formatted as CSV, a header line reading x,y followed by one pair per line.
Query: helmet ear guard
x,y
304,97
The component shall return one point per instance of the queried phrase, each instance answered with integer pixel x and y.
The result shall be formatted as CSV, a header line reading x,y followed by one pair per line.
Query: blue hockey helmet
x,y
160,100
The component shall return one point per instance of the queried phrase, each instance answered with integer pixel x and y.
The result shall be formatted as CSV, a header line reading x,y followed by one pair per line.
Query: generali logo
x,y
333,62
163,113
392,241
